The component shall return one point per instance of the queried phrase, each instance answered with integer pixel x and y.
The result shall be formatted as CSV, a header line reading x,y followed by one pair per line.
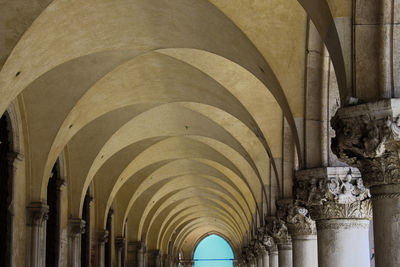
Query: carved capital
x,y
119,243
297,218
265,241
76,227
368,137
187,263
103,236
37,213
333,193
278,230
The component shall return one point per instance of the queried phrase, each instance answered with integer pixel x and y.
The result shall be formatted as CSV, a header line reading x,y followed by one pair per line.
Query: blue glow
x,y
213,251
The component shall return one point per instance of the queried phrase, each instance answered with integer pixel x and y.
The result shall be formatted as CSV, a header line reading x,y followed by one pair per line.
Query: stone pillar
x,y
340,205
302,230
273,257
368,137
37,214
119,247
76,227
259,258
278,230
265,258
141,253
102,239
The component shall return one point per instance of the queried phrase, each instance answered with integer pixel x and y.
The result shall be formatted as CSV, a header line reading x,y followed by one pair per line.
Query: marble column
x,y
273,257
368,137
102,239
303,231
265,258
76,227
119,247
37,214
278,230
340,205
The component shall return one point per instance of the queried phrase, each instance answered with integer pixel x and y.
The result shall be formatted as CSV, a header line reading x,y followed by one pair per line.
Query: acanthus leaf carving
x,y
336,195
368,137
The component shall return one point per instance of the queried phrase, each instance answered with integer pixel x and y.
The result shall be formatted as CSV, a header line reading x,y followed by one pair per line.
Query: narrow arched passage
x,y
212,251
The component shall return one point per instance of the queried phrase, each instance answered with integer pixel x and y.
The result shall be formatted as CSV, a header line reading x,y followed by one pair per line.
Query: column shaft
x,y
285,255
343,242
305,251
273,259
75,227
36,218
265,262
386,214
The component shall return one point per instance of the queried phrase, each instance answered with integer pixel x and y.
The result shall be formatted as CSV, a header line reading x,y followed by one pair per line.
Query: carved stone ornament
x,y
76,227
119,243
37,213
296,216
368,137
266,241
103,236
333,193
278,230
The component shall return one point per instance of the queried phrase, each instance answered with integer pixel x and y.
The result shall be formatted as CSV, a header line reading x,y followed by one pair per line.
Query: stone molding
x,y
333,193
342,224
368,137
296,216
37,214
277,229
76,227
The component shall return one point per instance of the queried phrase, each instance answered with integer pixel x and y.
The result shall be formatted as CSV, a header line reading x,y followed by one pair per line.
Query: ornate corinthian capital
x,y
76,227
333,193
296,216
368,137
278,230
37,213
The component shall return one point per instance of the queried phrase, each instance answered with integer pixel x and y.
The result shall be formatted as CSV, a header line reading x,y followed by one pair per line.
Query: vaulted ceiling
x,y
173,110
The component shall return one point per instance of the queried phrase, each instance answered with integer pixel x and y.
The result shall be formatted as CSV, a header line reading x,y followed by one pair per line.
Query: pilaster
x,y
119,247
37,214
76,227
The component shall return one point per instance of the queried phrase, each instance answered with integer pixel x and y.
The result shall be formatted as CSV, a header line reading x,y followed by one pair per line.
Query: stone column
x,y
102,239
340,205
278,230
273,257
37,214
119,247
76,227
368,137
302,230
265,258
141,253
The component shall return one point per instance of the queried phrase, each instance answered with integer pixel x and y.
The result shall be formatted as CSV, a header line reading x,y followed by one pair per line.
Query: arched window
x,y
213,251
6,196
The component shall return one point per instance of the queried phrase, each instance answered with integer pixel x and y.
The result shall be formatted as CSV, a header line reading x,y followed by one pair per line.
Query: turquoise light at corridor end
x,y
210,248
